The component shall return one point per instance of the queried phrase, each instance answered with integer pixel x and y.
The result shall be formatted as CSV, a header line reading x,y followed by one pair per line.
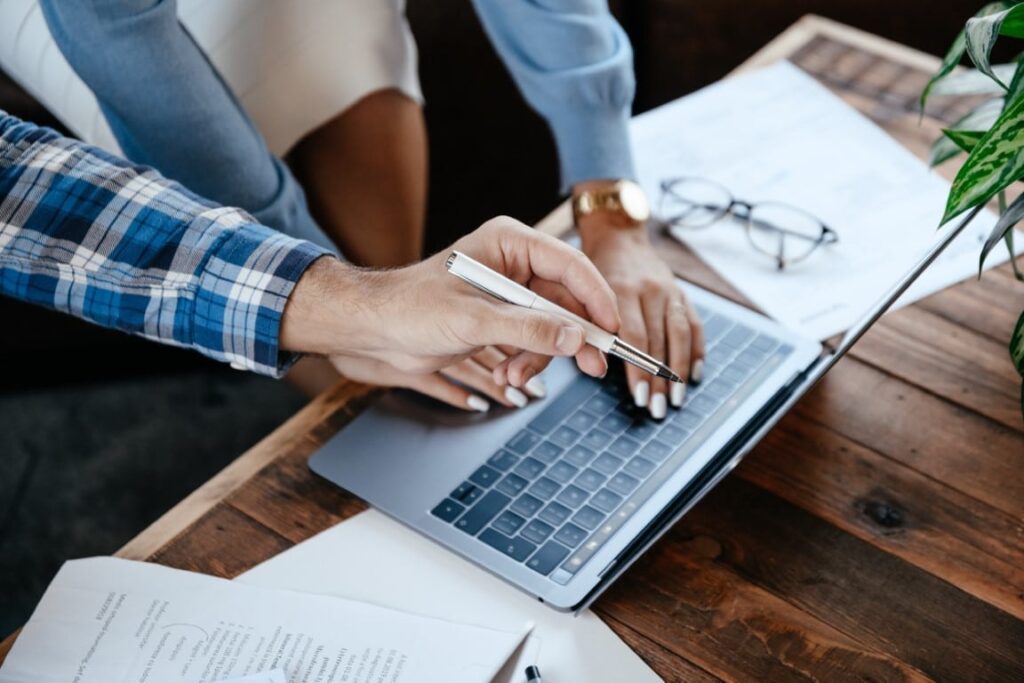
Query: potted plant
x,y
992,134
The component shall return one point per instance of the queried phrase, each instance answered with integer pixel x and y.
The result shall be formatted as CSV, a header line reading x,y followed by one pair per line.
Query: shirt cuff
x,y
593,143
243,289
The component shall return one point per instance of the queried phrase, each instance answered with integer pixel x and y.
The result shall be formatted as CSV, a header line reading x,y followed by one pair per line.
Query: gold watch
x,y
625,202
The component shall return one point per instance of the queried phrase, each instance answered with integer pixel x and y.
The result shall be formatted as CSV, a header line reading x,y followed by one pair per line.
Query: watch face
x,y
634,203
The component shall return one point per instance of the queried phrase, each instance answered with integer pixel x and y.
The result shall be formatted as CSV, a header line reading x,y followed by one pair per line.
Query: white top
x,y
293,64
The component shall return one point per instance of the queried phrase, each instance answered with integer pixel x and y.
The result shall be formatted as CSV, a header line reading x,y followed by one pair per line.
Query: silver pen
x,y
504,289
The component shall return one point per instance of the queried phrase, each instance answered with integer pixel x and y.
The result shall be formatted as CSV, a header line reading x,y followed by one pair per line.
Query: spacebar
x,y
564,404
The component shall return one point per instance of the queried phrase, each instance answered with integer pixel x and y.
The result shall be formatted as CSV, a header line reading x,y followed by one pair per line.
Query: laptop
x,y
561,497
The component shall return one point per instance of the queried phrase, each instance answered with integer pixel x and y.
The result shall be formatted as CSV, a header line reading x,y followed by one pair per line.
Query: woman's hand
x,y
656,316
420,320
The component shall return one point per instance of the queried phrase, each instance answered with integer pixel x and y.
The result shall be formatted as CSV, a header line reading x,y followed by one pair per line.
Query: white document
x,y
275,676
106,620
777,135
375,559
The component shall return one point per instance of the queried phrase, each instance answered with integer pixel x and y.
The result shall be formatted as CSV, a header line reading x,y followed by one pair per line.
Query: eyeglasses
x,y
785,233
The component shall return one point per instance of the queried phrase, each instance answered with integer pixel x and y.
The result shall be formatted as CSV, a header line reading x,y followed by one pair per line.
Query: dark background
x,y
101,433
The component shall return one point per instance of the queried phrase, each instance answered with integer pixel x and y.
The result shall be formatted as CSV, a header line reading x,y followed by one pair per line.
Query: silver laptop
x,y
559,498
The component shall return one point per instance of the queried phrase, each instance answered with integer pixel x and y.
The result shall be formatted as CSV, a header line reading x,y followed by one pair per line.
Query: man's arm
x,y
574,65
91,235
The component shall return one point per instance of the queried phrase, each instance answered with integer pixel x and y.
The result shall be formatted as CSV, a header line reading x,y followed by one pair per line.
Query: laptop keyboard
x,y
561,487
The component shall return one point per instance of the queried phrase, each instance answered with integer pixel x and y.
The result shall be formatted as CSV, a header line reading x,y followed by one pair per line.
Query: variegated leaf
x,y
980,118
1011,216
974,82
964,139
996,161
1017,345
956,52
981,33
1017,82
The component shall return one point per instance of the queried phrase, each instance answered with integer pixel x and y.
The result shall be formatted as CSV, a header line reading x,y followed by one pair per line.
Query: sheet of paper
x,y
275,676
375,559
777,135
106,620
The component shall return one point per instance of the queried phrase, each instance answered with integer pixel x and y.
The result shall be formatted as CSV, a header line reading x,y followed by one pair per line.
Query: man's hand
x,y
656,316
420,320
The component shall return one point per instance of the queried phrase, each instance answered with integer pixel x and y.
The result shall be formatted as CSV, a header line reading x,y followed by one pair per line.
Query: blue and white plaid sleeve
x,y
89,234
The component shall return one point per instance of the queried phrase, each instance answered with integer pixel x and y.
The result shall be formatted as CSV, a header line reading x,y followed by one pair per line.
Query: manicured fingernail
x,y
641,394
570,339
658,406
677,393
515,397
536,387
697,371
478,404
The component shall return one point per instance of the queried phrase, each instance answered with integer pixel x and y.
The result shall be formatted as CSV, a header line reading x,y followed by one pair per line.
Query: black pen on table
x,y
533,675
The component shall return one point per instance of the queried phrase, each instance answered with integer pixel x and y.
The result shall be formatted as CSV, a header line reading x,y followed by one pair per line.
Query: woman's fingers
x,y
476,376
696,342
492,357
438,387
654,305
634,332
680,347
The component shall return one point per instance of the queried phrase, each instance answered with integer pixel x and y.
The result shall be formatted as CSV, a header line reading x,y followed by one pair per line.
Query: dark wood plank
x,y
989,305
875,598
947,360
900,511
224,543
683,598
944,441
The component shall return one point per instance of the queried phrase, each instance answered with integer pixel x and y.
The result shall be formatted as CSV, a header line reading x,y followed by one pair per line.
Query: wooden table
x,y
877,533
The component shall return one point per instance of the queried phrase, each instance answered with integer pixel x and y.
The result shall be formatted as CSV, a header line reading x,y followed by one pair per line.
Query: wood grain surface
x,y
876,534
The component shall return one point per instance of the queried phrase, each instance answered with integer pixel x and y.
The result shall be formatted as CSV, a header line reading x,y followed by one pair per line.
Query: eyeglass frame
x,y
741,210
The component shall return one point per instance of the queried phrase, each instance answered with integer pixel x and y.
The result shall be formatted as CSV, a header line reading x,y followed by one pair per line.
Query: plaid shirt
x,y
89,234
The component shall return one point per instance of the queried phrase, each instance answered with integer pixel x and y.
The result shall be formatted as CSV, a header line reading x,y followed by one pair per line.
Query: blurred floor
x,y
84,468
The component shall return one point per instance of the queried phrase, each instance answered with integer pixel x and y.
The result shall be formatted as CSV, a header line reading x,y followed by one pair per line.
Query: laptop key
x,y
735,373
596,439
624,446
607,463
562,472
719,389
639,467
547,452
503,460
483,512
581,421
554,514
537,531
467,493
623,483
447,510
547,558
590,479
571,535
715,327
485,476
526,505
508,523
529,468
512,485
572,496
671,434
517,548
523,442
588,518
600,404
579,456
642,430
564,436
656,450
562,405
615,423
738,336
703,405
606,500
763,343
544,488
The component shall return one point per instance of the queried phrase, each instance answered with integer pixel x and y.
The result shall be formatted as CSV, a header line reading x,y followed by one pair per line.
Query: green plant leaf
x,y
996,161
1017,345
1017,82
974,82
979,119
956,52
1009,218
964,139
981,33
1008,238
